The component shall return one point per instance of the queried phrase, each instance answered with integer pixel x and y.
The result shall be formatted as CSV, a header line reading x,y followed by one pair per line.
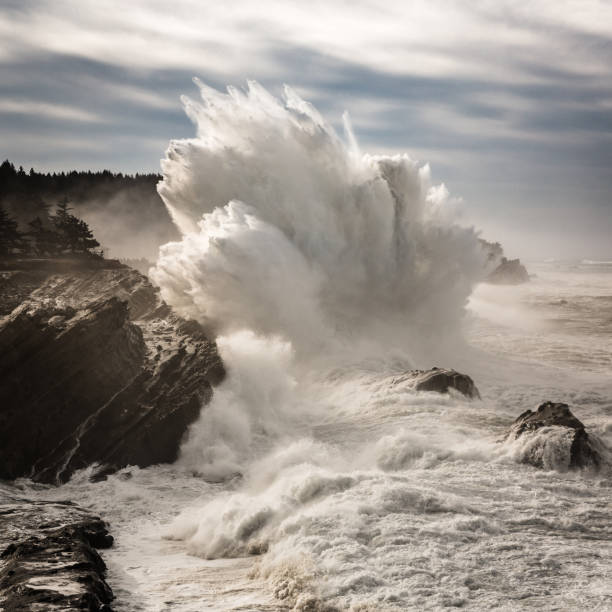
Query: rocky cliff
x,y
95,368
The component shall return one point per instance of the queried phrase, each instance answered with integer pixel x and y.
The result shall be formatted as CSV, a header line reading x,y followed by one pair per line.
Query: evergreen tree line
x,y
27,197
77,185
48,235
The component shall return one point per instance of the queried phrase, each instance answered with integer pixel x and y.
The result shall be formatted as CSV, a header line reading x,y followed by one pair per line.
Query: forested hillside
x,y
124,211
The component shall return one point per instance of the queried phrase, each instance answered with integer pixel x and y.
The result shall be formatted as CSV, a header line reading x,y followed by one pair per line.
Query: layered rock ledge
x,y
95,368
48,557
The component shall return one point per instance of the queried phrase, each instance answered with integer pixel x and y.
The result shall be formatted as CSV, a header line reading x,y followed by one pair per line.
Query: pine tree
x,y
63,210
46,242
11,240
75,236
86,240
63,221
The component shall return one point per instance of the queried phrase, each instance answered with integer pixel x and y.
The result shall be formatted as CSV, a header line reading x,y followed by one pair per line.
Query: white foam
x,y
328,273
288,231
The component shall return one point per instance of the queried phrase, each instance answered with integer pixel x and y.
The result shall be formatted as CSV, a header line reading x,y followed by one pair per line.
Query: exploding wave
x,y
288,230
316,267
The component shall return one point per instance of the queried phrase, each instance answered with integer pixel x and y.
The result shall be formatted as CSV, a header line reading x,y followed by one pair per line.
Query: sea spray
x,y
355,493
288,231
323,272
256,404
305,256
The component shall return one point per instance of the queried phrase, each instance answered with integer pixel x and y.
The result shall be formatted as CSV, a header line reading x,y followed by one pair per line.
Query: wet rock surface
x,y
555,438
441,380
499,269
48,557
509,272
96,368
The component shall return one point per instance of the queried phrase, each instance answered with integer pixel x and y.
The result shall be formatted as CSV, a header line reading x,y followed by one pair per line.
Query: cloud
x,y
494,93
430,38
53,111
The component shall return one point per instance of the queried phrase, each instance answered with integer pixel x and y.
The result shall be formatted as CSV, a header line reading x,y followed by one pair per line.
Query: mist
x,y
126,227
289,229
541,233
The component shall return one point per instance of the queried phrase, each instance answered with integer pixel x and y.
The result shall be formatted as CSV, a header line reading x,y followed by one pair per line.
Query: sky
x,y
509,101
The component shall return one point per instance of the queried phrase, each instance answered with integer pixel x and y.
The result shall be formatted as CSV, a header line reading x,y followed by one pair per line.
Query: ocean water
x,y
392,500
317,479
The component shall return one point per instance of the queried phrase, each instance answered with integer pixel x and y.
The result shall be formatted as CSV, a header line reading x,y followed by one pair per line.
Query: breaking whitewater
x,y
317,478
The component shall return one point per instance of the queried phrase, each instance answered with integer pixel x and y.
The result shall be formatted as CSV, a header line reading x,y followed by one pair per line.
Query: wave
x,y
322,270
288,230
594,262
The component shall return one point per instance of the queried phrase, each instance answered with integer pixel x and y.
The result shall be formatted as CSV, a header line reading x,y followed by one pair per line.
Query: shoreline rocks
x,y
440,380
554,439
96,368
48,558
498,269
509,272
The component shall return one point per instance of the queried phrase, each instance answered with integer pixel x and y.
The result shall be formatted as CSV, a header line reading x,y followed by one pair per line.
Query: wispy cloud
x,y
483,88
62,112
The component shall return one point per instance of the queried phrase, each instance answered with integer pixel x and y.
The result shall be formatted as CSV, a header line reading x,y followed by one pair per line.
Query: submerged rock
x,y
441,380
554,438
96,368
48,557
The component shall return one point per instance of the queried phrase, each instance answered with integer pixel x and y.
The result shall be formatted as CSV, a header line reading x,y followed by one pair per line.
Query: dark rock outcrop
x,y
440,380
16,286
48,558
96,368
555,438
498,269
509,272
493,252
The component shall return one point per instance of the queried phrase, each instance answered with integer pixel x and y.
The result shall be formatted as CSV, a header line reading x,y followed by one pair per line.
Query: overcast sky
x,y
510,102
